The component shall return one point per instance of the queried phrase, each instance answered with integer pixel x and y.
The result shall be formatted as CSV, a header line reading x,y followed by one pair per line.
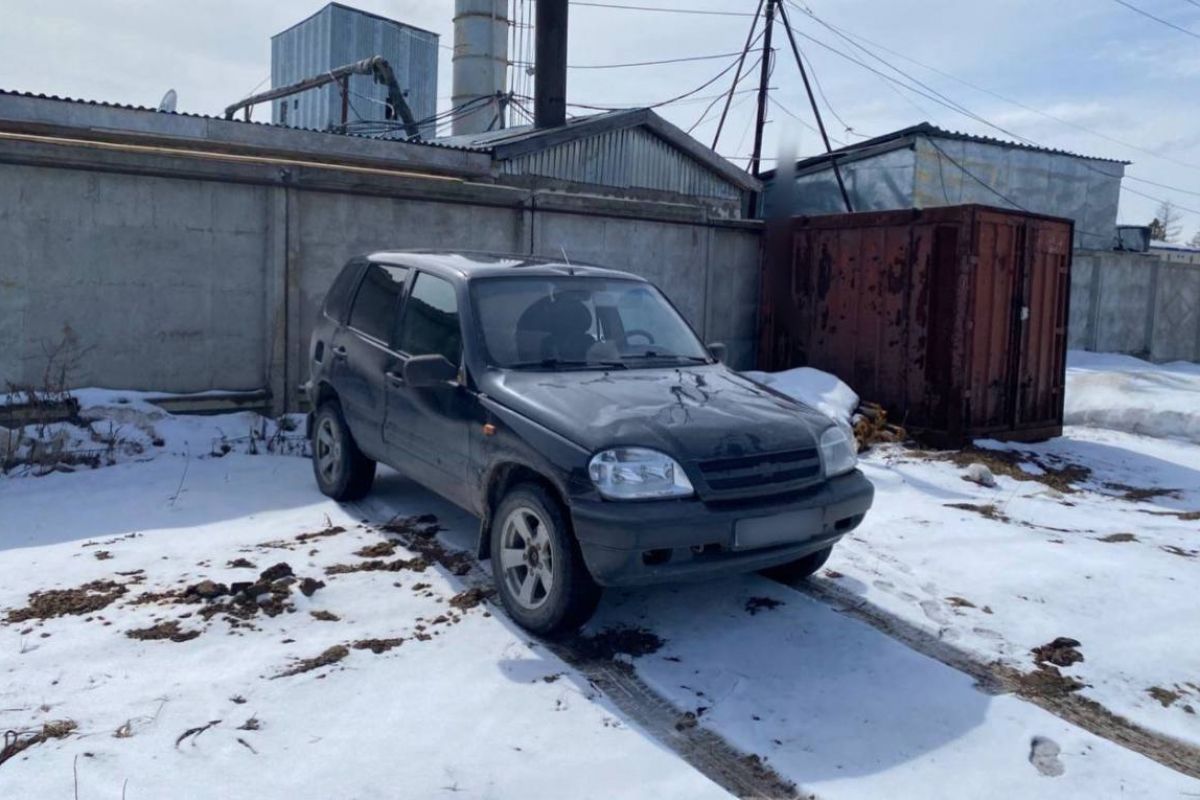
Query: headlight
x,y
838,453
635,473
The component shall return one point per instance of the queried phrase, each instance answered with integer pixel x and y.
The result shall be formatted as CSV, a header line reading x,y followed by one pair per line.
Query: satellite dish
x,y
167,104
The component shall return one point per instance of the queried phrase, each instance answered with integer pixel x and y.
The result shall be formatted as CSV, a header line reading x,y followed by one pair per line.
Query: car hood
x,y
690,413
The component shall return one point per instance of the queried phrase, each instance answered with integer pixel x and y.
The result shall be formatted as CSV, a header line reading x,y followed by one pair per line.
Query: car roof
x,y
469,265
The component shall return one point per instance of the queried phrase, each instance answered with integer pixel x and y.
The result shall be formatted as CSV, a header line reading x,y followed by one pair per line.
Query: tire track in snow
x,y
733,770
996,678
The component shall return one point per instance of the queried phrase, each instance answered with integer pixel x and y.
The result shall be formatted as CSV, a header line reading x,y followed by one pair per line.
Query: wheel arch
x,y
500,479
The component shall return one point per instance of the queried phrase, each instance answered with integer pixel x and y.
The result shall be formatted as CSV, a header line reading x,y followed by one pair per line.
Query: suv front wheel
x,y
537,566
341,469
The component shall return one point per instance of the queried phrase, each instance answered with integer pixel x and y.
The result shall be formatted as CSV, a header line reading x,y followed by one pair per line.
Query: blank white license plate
x,y
793,526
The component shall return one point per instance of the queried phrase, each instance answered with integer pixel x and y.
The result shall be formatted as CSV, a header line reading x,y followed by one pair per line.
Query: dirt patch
x,y
985,510
1164,696
377,550
1186,516
959,602
85,599
325,616
377,646
251,724
276,572
611,642
102,555
468,599
331,656
422,525
1179,551
1140,494
309,586
1045,682
241,563
16,742
1060,475
207,590
163,631
757,604
1117,538
1062,652
378,565
303,538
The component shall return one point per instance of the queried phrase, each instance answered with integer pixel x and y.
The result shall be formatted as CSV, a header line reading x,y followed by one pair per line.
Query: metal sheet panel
x,y
954,319
629,158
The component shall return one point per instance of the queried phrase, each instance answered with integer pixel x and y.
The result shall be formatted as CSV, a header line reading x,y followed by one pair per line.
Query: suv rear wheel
x,y
537,566
341,469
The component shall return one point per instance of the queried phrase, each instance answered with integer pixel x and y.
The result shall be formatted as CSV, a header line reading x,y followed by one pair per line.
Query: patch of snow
x,y
820,390
1119,392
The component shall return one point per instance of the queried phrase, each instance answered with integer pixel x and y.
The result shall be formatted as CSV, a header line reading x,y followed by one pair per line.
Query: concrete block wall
x,y
181,275
1135,304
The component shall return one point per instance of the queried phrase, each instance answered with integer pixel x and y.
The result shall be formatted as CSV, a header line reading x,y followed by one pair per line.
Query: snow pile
x,y
1123,393
820,390
114,427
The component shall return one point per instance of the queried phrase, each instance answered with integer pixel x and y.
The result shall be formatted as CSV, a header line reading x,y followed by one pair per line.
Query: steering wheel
x,y
639,332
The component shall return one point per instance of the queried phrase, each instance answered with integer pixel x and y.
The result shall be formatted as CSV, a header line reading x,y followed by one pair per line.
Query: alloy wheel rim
x,y
527,558
328,451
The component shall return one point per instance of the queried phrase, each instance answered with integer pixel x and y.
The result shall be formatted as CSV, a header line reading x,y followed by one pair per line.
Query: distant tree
x,y
1167,225
1195,242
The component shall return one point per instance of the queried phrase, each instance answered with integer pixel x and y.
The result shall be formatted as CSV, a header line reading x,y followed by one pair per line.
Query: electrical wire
x,y
802,121
1168,23
697,11
666,102
643,63
845,33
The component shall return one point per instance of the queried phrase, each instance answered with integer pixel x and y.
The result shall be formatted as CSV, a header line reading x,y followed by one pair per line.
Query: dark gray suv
x,y
578,415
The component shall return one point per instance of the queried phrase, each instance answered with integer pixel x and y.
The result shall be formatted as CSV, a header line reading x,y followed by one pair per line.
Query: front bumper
x,y
634,543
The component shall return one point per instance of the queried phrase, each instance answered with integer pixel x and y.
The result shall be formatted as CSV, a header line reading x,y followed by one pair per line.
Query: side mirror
x,y
427,371
718,351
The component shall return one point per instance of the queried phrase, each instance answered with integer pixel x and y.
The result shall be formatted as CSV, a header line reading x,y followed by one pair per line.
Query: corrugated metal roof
x,y
903,136
525,140
129,107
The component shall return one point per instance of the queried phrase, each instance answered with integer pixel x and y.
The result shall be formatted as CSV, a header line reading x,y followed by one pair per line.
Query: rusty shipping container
x,y
953,319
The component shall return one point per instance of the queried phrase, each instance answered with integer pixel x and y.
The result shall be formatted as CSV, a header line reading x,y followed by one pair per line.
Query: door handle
x,y
395,378
339,352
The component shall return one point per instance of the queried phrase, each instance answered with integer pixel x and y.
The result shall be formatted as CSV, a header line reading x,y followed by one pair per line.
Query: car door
x,y
362,355
431,425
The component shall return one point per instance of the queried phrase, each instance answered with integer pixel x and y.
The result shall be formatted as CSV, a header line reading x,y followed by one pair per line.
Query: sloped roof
x,y
520,140
904,136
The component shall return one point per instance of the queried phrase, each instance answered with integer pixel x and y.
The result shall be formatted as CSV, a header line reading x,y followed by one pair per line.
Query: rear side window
x,y
374,309
338,296
430,324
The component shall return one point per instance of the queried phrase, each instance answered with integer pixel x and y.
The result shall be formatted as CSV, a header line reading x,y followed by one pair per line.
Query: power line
x,y
1168,23
669,101
697,11
845,33
642,63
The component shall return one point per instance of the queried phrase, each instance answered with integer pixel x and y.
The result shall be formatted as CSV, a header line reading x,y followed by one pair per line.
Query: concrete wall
x,y
1136,304
186,273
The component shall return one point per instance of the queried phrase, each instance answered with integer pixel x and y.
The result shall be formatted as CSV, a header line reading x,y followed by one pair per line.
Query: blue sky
x,y
1094,64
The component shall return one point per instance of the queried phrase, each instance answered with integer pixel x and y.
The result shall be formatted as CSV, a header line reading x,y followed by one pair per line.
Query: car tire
x,y
801,568
341,469
537,565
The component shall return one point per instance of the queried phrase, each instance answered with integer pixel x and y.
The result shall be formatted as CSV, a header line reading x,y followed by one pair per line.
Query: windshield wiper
x,y
649,354
562,363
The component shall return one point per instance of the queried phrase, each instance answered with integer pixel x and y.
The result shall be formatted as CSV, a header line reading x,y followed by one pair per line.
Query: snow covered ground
x,y
1106,390
465,703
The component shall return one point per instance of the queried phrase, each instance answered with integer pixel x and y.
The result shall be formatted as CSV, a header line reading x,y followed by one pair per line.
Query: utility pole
x,y
550,58
764,75
837,172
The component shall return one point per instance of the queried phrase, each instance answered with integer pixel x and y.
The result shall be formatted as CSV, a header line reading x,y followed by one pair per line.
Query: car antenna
x,y
570,269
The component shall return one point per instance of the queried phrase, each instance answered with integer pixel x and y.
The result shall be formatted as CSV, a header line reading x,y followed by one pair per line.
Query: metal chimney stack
x,y
480,64
550,64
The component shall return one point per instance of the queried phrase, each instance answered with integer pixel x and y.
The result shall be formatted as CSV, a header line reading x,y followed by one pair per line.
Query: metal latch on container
x,y
1024,313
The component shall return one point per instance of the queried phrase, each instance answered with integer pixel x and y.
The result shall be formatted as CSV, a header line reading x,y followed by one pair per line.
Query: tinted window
x,y
430,323
338,296
374,310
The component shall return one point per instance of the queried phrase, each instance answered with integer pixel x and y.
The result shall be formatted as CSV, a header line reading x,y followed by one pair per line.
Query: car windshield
x,y
580,323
